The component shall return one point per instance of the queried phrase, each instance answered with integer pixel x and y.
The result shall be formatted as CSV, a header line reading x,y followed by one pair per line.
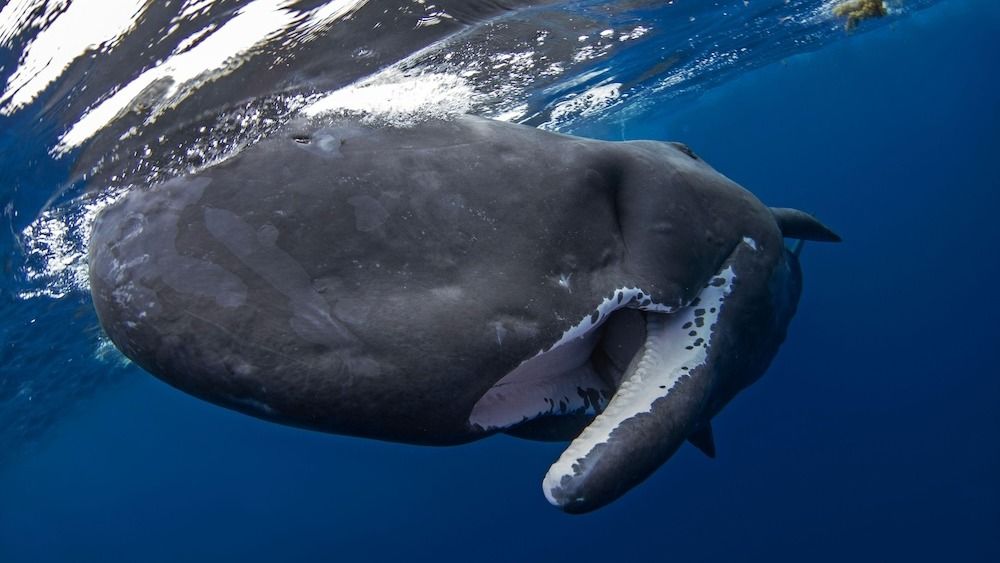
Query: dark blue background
x,y
874,437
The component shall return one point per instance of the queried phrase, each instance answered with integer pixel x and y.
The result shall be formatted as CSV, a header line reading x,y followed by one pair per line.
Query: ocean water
x,y
873,437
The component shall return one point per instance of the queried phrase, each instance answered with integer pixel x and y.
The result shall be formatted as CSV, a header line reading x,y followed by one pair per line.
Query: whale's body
x,y
442,282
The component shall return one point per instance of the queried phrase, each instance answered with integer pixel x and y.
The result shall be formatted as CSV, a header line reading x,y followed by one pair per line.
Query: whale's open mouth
x,y
580,375
553,395
597,387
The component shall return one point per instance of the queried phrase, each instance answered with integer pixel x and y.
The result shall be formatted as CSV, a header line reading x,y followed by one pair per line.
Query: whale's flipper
x,y
660,403
704,440
801,225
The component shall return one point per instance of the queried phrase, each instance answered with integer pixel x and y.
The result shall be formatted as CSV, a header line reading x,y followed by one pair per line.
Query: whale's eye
x,y
302,139
685,149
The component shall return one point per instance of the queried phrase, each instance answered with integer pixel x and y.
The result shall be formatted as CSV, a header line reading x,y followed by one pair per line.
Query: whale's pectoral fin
x,y
660,403
801,225
704,440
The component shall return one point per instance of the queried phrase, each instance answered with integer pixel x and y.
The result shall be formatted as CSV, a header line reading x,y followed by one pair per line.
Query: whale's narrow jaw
x,y
661,402
631,385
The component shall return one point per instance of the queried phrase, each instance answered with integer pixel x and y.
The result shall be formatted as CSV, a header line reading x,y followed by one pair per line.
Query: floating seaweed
x,y
857,11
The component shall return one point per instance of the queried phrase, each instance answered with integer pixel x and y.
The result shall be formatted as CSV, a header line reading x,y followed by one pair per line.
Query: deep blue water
x,y
873,437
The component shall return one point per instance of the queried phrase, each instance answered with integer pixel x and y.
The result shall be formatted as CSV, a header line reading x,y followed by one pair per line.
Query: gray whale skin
x,y
439,283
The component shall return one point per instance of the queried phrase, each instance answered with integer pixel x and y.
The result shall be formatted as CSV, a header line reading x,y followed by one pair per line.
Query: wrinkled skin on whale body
x,y
440,283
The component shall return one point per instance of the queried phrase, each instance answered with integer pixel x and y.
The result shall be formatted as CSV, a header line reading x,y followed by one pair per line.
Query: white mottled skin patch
x,y
545,384
538,394
555,374
668,353
622,297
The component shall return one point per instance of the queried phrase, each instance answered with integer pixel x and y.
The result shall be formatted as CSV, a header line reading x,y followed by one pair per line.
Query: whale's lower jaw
x,y
659,403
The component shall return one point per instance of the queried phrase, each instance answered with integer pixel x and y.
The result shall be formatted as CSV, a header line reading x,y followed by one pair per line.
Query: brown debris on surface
x,y
857,11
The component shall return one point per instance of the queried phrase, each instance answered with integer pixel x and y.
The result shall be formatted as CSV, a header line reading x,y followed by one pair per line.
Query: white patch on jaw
x,y
548,384
622,297
669,353
519,401
538,385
